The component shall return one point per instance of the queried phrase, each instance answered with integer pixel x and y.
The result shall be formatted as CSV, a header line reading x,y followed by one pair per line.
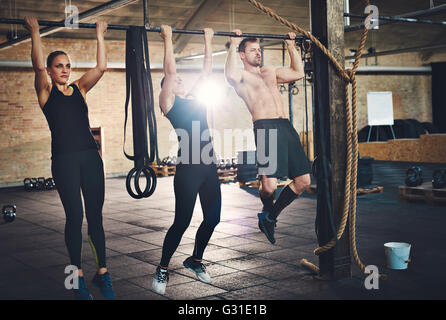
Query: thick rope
x,y
352,137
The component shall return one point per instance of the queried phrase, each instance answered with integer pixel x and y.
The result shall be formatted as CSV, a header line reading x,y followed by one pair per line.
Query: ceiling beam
x,y
96,11
199,16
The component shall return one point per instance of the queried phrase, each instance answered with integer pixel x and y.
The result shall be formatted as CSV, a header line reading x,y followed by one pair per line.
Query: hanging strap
x,y
128,60
139,89
153,155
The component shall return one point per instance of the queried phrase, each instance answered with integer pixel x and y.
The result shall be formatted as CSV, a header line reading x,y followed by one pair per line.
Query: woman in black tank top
x,y
75,163
195,175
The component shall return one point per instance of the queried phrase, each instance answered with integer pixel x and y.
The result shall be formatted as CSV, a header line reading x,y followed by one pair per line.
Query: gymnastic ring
x,y
136,182
151,183
127,183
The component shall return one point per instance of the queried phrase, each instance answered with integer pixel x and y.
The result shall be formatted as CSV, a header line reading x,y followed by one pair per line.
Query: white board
x,y
380,108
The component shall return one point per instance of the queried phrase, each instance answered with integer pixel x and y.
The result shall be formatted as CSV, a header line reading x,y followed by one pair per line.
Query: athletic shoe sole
x,y
196,273
162,291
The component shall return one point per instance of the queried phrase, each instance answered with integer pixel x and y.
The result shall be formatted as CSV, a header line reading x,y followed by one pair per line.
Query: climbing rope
x,y
352,138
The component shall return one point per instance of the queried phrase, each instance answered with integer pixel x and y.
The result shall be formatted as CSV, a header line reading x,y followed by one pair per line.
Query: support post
x,y
327,24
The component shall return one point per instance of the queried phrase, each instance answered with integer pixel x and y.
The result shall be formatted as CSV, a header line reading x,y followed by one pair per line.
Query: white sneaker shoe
x,y
160,281
198,268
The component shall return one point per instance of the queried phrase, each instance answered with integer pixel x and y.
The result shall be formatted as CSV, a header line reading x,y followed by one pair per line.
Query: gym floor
x,y
242,263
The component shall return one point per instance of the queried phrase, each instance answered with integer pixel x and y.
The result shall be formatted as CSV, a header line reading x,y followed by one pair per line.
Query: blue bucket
x,y
397,254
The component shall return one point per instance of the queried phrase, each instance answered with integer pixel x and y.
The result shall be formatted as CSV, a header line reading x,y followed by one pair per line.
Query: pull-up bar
x,y
152,29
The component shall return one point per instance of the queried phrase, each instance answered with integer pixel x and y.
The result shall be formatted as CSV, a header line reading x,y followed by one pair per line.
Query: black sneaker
x,y
267,226
160,281
104,283
198,268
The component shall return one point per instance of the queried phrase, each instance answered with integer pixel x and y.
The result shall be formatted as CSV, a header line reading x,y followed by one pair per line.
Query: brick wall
x,y
412,95
25,137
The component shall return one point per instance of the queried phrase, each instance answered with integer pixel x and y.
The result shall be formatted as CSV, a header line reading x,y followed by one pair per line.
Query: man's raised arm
x,y
232,71
296,69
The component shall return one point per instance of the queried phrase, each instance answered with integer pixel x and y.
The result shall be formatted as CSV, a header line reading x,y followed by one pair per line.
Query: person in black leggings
x,y
76,163
196,171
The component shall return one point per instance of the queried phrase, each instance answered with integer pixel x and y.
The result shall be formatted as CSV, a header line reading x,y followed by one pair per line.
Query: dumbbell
x,y
8,212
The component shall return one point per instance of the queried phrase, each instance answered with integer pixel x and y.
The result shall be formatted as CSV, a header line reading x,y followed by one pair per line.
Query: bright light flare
x,y
210,94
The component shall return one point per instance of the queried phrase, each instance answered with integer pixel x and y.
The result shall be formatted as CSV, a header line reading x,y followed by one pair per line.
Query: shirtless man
x,y
258,87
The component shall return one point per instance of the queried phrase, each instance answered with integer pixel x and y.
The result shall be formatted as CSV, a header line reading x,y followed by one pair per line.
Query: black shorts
x,y
279,151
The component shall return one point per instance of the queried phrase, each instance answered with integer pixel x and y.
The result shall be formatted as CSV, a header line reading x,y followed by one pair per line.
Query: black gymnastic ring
x,y
151,181
127,184
136,182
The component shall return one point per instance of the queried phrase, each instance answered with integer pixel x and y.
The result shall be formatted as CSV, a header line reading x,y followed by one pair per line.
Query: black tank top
x,y
67,118
190,116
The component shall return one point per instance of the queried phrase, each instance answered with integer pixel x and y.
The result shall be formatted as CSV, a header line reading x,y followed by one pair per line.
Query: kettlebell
x,y
439,179
164,161
49,184
40,185
234,163
9,212
29,184
414,176
228,164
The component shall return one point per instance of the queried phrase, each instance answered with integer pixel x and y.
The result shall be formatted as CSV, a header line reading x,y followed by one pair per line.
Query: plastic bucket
x,y
397,254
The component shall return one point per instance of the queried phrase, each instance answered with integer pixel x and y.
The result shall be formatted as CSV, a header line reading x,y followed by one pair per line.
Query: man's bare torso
x,y
261,95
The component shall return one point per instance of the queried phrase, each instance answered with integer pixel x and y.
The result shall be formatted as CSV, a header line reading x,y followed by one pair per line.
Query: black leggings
x,y
189,181
72,173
